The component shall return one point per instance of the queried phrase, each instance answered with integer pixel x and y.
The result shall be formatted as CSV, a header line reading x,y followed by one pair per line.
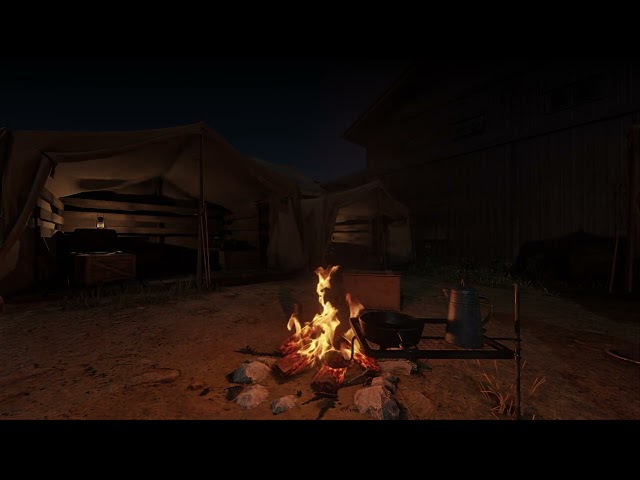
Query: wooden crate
x,y
239,259
99,268
376,290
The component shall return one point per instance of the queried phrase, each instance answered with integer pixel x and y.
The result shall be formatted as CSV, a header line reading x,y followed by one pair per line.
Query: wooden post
x,y
200,224
634,200
517,350
203,213
618,208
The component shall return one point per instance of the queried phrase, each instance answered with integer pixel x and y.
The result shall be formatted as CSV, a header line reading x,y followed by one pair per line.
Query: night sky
x,y
284,111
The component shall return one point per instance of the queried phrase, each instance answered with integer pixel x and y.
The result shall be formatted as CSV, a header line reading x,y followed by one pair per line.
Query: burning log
x,y
300,340
291,364
328,380
334,359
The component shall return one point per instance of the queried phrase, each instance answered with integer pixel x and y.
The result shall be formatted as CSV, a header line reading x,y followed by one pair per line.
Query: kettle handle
x,y
490,314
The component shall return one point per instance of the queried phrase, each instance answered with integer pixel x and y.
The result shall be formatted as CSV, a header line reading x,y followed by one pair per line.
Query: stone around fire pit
x,y
390,377
251,372
377,402
283,404
398,367
382,382
251,397
269,361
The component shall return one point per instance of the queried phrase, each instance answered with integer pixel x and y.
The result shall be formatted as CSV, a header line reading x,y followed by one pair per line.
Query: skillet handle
x,y
404,345
490,314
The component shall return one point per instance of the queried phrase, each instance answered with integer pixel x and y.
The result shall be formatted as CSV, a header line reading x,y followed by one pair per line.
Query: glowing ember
x,y
316,342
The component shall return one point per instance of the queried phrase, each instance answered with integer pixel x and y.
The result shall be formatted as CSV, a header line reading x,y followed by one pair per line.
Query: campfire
x,y
318,343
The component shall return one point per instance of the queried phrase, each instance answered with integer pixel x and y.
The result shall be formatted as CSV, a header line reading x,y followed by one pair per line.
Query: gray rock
x,y
159,375
382,382
283,404
377,402
390,377
251,397
398,367
251,372
269,361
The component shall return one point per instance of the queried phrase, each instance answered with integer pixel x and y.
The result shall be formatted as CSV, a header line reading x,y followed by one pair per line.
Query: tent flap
x,y
366,202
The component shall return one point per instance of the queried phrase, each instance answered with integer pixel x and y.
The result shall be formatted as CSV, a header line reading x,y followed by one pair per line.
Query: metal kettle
x,y
465,326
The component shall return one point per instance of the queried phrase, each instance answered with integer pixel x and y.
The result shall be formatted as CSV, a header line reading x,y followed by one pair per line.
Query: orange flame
x,y
314,340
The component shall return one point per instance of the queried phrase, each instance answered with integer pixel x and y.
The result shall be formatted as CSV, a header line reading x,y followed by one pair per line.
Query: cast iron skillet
x,y
393,329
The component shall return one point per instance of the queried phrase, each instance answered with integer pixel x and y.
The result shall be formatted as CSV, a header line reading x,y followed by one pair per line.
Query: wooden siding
x,y
533,174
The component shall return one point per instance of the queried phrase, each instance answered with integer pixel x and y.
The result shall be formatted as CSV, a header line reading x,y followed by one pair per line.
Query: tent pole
x,y
203,212
199,262
200,226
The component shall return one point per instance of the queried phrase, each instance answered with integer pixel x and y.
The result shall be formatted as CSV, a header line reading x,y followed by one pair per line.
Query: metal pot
x,y
465,326
391,329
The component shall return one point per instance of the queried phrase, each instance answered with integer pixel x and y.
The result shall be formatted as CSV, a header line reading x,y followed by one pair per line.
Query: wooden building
x,y
491,156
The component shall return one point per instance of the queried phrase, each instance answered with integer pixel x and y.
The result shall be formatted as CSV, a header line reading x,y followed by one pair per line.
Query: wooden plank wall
x,y
48,214
496,199
243,226
532,175
129,218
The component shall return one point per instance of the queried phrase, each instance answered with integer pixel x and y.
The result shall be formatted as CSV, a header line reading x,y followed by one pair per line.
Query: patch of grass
x,y
500,394
496,273
114,297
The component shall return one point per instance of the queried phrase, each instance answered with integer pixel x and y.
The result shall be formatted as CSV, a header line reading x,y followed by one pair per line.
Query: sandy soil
x,y
62,363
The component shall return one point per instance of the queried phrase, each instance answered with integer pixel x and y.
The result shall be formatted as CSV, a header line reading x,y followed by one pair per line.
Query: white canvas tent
x,y
193,162
338,217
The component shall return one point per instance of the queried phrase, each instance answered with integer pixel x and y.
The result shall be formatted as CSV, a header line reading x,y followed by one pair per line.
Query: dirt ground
x,y
99,363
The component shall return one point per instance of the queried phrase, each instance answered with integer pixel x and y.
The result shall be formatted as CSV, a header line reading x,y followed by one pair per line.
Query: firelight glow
x,y
314,340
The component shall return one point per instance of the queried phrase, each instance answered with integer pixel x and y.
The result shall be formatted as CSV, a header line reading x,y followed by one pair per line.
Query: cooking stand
x,y
433,345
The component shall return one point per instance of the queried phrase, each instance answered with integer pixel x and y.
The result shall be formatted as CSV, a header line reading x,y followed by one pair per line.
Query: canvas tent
x,y
67,163
365,216
306,186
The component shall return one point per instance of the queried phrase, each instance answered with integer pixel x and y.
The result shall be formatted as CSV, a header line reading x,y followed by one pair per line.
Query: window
x,y
469,127
574,94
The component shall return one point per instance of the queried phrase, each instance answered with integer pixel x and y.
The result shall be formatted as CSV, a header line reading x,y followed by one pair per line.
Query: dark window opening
x,y
574,94
471,126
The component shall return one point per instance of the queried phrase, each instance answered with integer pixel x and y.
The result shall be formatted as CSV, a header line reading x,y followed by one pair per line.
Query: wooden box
x,y
98,268
239,259
376,290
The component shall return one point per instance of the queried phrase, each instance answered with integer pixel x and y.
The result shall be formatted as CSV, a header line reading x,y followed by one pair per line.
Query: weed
x,y
115,298
500,394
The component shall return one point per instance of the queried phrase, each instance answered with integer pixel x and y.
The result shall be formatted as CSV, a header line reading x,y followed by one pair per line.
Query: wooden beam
x,y
356,238
249,223
45,223
44,205
47,215
245,236
352,229
88,220
52,199
126,206
68,228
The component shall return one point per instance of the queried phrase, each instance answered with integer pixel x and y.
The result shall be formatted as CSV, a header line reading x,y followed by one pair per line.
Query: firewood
x,y
291,364
299,340
328,380
334,359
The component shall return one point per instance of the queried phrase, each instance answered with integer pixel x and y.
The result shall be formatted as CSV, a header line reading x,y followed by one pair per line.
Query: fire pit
x,y
318,344
374,335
